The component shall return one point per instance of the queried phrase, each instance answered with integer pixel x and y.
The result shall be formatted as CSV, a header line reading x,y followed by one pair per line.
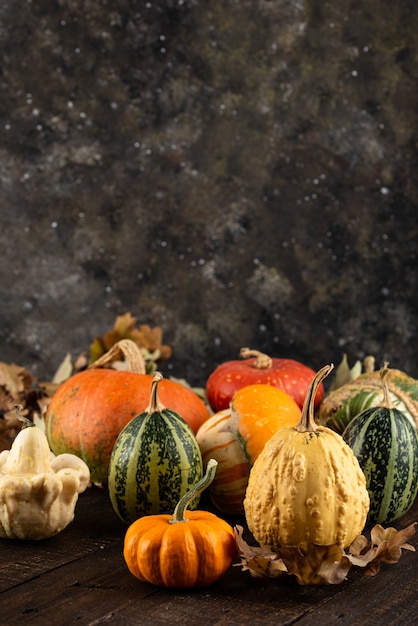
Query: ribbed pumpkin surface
x,y
89,410
386,445
155,461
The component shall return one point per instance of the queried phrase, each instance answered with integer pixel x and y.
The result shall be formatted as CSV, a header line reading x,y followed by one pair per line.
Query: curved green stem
x,y
201,485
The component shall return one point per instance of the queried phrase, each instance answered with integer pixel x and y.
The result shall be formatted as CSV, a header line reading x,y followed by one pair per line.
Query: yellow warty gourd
x,y
306,486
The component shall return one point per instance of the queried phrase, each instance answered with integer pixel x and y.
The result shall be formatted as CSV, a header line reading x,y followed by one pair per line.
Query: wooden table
x,y
80,577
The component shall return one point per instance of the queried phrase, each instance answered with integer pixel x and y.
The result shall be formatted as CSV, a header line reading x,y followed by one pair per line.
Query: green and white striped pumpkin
x,y
386,446
155,460
365,391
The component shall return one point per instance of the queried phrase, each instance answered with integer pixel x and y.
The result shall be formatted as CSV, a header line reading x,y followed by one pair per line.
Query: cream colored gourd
x,y
306,486
38,490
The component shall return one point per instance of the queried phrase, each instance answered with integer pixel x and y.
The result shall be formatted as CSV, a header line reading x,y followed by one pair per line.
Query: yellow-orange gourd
x,y
236,436
306,486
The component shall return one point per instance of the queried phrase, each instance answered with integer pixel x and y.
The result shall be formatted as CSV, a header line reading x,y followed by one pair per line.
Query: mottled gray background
x,y
237,172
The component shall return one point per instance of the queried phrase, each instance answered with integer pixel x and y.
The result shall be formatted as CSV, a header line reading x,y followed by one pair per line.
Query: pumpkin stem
x,y
17,411
387,402
201,485
130,352
155,405
262,361
307,420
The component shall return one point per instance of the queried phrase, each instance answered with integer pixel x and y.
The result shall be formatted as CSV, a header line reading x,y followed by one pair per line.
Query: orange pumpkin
x,y
187,549
89,409
236,436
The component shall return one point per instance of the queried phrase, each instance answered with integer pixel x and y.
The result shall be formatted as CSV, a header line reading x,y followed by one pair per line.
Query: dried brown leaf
x,y
319,565
148,339
325,564
15,379
385,546
261,562
124,324
17,387
9,427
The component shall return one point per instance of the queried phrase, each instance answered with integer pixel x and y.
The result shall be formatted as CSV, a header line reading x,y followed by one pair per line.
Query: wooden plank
x,y
83,590
80,576
98,588
95,525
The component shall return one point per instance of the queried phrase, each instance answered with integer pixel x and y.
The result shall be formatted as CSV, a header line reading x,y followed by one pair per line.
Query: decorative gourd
x,y
187,549
88,411
343,403
288,375
236,436
386,446
155,460
38,490
306,486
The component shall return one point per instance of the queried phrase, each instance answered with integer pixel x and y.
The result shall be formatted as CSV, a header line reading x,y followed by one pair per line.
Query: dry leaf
x,y
15,380
320,565
325,564
148,339
385,546
261,562
17,386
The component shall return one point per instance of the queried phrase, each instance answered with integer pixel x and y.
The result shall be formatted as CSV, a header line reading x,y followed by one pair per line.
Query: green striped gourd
x,y
386,445
349,399
155,460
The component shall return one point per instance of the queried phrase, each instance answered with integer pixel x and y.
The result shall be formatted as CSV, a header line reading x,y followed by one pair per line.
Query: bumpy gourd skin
x,y
38,490
306,488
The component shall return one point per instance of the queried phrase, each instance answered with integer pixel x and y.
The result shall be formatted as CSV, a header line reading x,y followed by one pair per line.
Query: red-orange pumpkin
x,y
288,375
88,411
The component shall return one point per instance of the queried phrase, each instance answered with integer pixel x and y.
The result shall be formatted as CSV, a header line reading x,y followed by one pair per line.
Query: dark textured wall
x,y
237,172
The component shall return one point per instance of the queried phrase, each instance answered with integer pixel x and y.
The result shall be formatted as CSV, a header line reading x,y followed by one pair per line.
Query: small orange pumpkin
x,y
187,549
236,436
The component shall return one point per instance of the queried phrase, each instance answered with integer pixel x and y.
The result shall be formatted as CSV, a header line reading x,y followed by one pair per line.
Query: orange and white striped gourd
x,y
236,436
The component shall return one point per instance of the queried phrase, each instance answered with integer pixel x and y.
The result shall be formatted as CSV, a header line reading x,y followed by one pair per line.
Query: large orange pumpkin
x,y
235,437
89,409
